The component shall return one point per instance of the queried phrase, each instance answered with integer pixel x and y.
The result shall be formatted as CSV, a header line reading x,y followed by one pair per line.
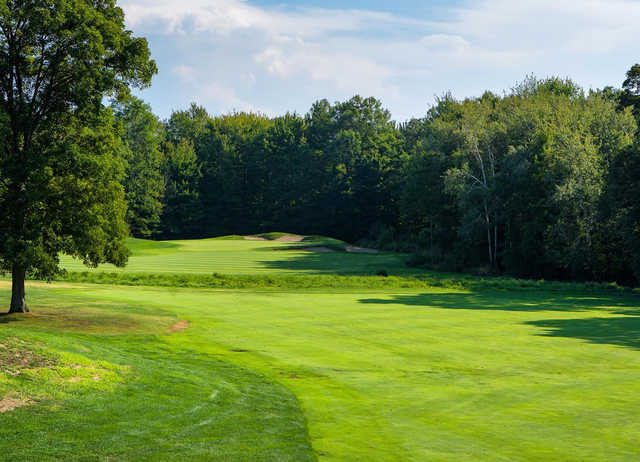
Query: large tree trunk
x,y
18,303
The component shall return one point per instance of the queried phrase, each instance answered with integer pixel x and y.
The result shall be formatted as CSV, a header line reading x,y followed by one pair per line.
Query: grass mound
x,y
247,257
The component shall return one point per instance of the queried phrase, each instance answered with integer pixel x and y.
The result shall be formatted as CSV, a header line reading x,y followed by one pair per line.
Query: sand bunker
x,y
290,238
254,238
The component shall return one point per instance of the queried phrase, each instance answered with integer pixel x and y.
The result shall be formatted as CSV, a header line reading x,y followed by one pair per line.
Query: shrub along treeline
x,y
541,182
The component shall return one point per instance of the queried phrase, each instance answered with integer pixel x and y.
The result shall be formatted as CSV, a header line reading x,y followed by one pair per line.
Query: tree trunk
x,y
495,245
18,303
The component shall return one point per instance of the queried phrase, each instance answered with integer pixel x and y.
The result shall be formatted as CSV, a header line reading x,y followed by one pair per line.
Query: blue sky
x,y
274,56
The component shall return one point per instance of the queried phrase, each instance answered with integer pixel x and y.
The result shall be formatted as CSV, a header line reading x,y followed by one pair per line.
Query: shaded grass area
x,y
622,331
117,390
389,375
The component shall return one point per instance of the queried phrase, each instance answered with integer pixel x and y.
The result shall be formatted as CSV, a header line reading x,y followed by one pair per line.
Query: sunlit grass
x,y
238,256
339,364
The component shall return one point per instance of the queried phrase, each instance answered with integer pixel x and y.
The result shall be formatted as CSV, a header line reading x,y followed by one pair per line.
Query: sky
x,y
278,56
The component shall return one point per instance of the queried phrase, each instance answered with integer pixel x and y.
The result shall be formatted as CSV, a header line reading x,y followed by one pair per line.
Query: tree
x,y
182,174
143,135
528,174
630,95
59,176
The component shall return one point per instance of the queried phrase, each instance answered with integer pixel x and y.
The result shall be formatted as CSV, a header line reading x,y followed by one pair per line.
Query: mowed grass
x,y
436,375
236,255
370,371
113,387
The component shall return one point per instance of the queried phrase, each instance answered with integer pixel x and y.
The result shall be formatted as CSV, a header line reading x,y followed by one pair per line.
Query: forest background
x,y
540,182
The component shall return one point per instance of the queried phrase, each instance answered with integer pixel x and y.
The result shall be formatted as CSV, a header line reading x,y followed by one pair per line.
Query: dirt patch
x,y
254,238
16,355
239,350
354,249
12,401
92,318
290,238
178,326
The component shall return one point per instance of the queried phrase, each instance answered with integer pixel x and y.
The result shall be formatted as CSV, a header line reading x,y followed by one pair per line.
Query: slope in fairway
x,y
114,388
239,256
436,375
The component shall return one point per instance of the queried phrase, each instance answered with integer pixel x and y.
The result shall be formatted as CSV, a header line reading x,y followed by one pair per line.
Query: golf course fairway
x,y
136,373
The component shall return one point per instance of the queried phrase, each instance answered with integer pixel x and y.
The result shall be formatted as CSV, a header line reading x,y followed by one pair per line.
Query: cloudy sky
x,y
275,56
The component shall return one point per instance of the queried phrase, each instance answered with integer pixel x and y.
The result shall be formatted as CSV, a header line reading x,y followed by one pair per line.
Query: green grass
x,y
239,256
121,389
343,367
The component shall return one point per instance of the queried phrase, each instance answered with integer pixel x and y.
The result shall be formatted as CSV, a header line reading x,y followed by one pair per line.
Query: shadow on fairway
x,y
341,263
623,331
514,301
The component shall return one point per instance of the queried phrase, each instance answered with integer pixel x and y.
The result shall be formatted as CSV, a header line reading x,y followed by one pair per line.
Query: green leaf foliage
x,y
144,182
60,175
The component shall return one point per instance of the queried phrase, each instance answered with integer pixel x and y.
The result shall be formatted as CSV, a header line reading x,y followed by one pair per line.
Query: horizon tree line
x,y
538,182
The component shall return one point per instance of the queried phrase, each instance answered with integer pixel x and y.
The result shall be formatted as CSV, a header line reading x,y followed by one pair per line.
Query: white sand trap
x,y
254,238
289,238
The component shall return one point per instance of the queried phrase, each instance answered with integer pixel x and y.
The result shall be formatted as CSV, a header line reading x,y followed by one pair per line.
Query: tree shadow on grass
x,y
515,301
341,263
6,318
624,331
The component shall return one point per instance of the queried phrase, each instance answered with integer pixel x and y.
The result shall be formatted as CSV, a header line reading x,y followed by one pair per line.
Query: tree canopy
x,y
536,182
60,174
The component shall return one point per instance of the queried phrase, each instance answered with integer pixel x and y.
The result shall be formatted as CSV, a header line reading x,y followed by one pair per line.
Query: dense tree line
x,y
539,182
332,171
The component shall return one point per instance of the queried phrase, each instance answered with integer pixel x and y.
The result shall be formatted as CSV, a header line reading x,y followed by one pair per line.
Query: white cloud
x,y
186,73
227,16
210,90
232,52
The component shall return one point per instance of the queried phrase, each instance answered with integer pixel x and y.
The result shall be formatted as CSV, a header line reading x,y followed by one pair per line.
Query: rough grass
x,y
232,262
425,279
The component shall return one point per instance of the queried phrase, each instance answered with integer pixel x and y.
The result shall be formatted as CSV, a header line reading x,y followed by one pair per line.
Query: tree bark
x,y
18,303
